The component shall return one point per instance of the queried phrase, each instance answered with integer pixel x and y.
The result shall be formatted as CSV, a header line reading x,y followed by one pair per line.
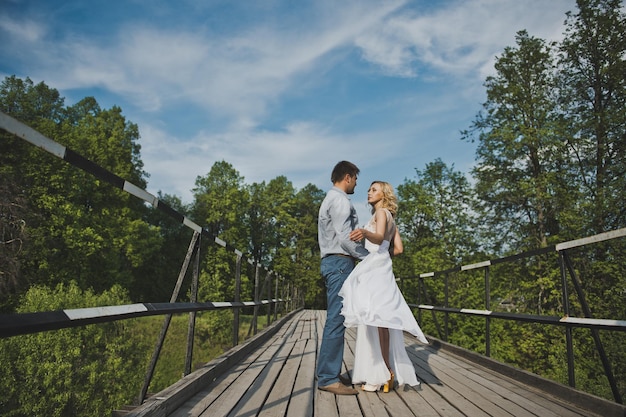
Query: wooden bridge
x,y
273,374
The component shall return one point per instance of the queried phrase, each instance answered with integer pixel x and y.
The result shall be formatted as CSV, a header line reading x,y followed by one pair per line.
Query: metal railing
x,y
26,323
566,321
289,300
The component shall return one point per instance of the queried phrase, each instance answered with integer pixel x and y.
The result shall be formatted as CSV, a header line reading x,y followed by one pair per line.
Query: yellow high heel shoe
x,y
389,385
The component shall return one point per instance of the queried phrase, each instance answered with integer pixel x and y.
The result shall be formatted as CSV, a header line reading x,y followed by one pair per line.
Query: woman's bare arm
x,y
376,237
398,248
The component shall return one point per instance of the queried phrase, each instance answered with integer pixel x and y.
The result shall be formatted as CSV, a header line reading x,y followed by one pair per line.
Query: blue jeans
x,y
335,270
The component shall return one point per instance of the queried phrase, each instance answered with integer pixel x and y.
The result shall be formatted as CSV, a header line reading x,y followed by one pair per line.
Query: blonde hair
x,y
389,200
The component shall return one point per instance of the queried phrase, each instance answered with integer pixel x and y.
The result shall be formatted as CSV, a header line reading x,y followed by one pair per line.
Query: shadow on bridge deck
x,y
273,374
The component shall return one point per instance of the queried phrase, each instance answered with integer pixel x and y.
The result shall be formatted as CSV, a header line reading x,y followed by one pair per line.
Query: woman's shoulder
x,y
384,210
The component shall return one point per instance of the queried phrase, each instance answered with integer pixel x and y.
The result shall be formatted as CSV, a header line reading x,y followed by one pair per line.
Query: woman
x,y
373,303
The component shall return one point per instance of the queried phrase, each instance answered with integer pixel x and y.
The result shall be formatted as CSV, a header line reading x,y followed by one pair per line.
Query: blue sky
x,y
277,87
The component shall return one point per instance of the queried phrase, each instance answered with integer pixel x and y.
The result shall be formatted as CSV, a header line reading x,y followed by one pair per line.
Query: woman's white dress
x,y
372,299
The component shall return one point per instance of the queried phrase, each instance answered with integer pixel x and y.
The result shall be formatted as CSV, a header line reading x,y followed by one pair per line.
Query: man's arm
x,y
344,220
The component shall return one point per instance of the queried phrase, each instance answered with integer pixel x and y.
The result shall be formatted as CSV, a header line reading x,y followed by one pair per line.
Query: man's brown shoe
x,y
345,380
338,388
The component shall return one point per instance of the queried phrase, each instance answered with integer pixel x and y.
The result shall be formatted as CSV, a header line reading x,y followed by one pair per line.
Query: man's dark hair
x,y
341,169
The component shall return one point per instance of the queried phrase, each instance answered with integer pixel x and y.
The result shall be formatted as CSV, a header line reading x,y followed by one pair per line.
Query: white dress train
x,y
372,299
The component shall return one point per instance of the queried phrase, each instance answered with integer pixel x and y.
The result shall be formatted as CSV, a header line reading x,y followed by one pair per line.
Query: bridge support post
x,y
568,330
487,318
193,297
168,319
237,298
608,371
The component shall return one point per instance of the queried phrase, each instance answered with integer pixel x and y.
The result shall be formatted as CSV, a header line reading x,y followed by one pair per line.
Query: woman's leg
x,y
383,337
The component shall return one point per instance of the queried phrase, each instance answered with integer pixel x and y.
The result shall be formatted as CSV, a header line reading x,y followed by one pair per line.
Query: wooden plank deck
x,y
277,378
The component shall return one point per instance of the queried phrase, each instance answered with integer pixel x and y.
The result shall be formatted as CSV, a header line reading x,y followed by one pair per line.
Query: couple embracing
x,y
365,296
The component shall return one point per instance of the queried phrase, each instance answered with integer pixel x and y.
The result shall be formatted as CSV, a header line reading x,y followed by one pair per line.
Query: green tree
x,y
522,182
34,104
435,217
13,237
593,97
88,370
437,228
282,222
158,274
220,205
76,226
305,270
88,230
283,227
519,154
259,222
41,108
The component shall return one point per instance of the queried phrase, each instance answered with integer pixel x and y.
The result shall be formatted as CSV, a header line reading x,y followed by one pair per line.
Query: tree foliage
x,y
593,103
71,372
550,168
519,154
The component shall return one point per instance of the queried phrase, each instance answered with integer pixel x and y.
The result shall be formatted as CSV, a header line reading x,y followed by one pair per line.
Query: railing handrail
x,y
562,249
551,248
27,323
601,324
23,323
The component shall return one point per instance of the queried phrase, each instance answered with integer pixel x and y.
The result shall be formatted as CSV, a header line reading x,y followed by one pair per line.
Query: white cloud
x,y
22,29
237,76
240,75
460,39
258,156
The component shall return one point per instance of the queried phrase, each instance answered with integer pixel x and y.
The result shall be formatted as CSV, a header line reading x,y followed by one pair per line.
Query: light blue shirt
x,y
337,218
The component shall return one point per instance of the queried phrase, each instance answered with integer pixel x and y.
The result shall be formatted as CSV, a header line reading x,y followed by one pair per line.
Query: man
x,y
337,218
